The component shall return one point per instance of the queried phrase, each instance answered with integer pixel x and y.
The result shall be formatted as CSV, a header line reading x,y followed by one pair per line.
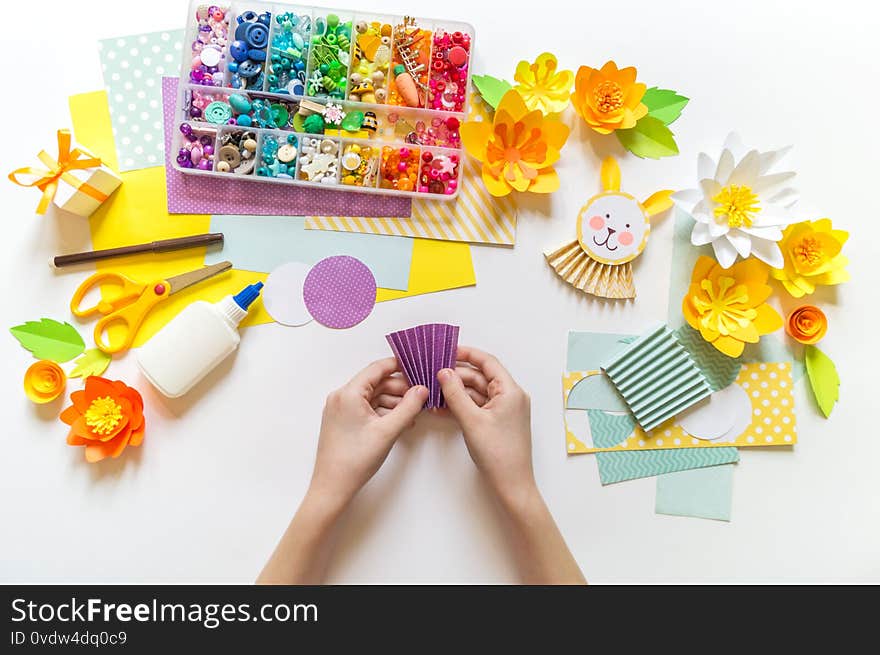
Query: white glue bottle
x,y
194,342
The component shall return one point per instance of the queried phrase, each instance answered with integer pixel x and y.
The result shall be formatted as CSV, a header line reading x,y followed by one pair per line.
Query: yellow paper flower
x,y
44,381
609,99
727,305
541,86
518,149
812,257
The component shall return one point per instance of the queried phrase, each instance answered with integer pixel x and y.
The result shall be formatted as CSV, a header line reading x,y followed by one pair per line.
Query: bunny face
x,y
613,228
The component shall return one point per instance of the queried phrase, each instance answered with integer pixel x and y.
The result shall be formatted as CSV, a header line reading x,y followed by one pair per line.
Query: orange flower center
x,y
609,96
737,205
103,415
726,309
512,155
809,253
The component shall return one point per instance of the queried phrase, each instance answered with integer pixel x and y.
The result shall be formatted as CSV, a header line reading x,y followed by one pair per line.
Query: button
x,y
210,56
256,34
280,115
230,155
257,55
328,146
350,161
239,50
218,112
249,68
286,153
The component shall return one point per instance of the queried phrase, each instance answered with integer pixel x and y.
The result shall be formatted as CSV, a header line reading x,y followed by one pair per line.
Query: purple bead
x,y
195,112
208,149
205,164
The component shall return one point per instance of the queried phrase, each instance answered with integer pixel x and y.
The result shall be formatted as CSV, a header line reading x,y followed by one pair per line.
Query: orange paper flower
x,y
518,149
609,99
807,324
105,418
727,305
44,381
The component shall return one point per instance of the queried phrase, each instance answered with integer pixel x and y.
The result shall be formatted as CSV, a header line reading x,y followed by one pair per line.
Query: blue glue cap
x,y
248,295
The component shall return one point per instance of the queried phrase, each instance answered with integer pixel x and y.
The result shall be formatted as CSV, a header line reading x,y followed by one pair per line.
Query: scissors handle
x,y
130,317
129,292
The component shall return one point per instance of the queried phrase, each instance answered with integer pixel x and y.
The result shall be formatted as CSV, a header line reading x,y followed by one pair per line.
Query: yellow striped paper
x,y
475,216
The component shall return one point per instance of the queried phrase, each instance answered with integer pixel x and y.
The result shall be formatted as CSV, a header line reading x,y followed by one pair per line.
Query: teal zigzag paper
x,y
608,430
719,369
630,464
596,392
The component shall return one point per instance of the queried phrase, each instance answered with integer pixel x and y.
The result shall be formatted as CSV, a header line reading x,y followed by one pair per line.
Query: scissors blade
x,y
184,280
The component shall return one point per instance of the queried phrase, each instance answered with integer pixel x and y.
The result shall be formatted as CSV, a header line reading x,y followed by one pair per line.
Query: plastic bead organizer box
x,y
298,95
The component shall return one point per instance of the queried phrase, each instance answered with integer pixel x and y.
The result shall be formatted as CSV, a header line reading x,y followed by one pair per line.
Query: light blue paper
x,y
596,392
262,243
705,493
608,430
617,466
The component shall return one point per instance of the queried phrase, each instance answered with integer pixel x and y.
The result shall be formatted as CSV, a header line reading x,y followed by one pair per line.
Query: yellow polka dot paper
x,y
768,387
133,67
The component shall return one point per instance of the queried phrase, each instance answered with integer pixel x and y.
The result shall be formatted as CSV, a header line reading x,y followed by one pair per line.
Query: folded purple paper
x,y
198,194
422,351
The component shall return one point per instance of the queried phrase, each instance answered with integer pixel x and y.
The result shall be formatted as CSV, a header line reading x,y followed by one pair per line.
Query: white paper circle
x,y
718,415
283,294
743,416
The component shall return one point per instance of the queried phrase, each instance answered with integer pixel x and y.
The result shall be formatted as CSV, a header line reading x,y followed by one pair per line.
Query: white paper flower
x,y
742,203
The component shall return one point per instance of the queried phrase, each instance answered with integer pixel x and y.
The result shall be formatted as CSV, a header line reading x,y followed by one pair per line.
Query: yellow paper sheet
x,y
137,213
769,387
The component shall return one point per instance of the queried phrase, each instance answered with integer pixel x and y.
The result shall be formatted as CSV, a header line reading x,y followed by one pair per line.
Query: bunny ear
x,y
610,175
658,202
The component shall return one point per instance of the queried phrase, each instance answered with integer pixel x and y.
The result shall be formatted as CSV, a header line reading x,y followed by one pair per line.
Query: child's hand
x,y
361,422
497,431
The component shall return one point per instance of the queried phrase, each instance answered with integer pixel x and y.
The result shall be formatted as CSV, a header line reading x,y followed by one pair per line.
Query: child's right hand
x,y
497,432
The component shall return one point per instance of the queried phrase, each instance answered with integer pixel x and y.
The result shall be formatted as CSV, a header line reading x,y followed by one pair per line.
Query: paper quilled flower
x,y
609,99
44,381
518,149
741,204
811,253
105,417
542,86
727,306
807,324
612,230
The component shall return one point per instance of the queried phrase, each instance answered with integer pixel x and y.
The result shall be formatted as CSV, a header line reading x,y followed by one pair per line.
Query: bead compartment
x,y
369,124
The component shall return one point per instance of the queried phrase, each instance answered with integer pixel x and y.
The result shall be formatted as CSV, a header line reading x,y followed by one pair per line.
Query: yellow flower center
x,y
738,204
609,96
103,415
727,310
809,254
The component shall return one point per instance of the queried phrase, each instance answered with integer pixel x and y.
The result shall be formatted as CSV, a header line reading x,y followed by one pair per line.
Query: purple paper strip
x,y
198,194
340,291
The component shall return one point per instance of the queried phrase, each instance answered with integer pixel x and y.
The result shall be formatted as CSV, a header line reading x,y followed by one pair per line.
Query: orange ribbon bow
x,y
47,179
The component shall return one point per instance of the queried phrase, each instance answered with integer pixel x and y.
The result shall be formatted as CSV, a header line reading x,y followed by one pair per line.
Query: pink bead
x,y
404,152
452,184
402,167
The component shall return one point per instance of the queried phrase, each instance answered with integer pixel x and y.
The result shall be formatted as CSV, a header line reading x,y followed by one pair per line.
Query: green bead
x,y
332,21
353,121
314,124
400,68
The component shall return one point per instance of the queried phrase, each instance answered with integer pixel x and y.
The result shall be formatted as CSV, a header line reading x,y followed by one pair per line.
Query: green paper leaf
x,y
649,138
92,362
49,339
491,88
823,377
663,104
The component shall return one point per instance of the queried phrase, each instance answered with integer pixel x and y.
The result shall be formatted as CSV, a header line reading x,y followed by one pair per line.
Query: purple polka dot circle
x,y
340,291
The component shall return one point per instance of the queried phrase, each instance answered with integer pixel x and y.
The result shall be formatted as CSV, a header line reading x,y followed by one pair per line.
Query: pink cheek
x,y
626,238
597,222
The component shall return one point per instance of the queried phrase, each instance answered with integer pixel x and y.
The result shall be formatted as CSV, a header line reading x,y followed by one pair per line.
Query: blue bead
x,y
265,18
244,120
239,50
232,66
256,55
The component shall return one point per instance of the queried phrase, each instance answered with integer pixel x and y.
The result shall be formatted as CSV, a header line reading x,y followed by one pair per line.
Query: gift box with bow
x,y
76,181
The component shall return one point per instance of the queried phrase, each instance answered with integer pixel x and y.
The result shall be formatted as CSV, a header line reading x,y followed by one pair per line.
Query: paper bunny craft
x,y
612,230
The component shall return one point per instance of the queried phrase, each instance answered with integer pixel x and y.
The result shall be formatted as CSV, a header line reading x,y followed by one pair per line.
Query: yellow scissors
x,y
134,301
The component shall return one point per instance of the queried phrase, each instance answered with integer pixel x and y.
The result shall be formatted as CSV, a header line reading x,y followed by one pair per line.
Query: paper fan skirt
x,y
421,352
583,272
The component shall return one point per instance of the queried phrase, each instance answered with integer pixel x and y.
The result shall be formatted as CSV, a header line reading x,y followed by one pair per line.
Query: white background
x,y
222,470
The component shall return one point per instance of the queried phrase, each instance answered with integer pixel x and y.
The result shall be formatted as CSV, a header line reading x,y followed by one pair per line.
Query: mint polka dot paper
x,y
133,67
